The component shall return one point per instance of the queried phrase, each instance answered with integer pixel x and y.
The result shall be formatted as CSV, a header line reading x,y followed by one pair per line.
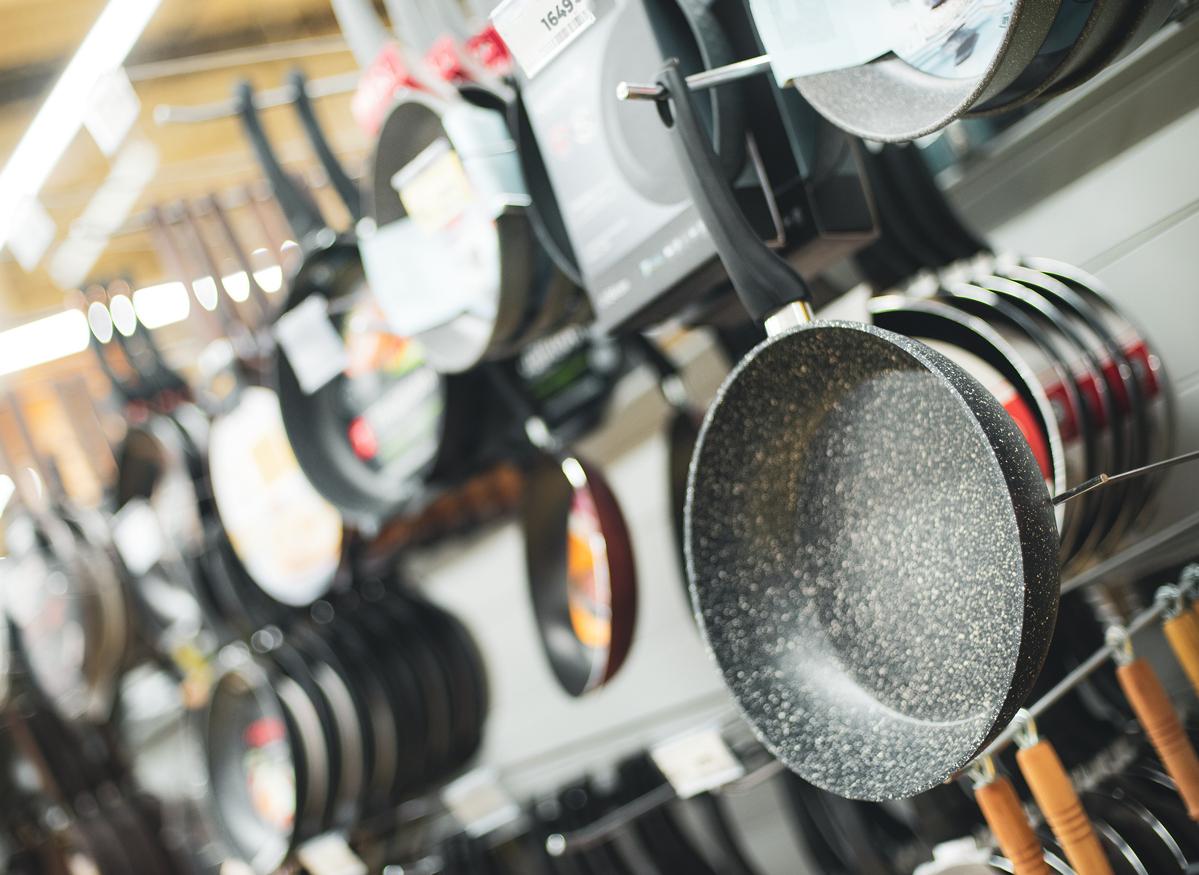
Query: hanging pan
x,y
854,498
681,435
284,534
579,559
370,434
959,53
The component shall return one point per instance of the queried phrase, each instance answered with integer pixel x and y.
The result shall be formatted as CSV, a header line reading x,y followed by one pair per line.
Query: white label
x,y
330,855
697,762
137,535
537,31
406,266
314,349
479,803
804,37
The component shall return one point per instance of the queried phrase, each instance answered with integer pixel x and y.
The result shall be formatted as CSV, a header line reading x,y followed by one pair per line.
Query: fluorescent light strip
x,y
161,305
103,50
43,340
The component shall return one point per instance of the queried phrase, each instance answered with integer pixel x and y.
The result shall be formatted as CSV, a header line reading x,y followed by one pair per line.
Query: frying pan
x,y
1128,425
890,99
266,763
1122,26
578,556
370,438
1101,388
871,547
1073,416
1149,369
1066,41
682,434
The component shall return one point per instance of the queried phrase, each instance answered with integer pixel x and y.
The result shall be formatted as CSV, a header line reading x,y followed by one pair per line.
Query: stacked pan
x,y
340,720
968,58
1080,380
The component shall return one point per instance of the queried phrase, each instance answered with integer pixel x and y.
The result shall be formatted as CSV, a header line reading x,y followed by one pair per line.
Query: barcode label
x,y
697,762
537,31
316,352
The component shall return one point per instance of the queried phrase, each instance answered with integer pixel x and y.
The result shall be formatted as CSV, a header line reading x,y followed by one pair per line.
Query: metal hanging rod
x,y
561,844
329,86
698,81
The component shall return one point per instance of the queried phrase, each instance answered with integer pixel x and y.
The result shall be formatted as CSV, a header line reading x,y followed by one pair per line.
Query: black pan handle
x,y
764,282
303,216
345,187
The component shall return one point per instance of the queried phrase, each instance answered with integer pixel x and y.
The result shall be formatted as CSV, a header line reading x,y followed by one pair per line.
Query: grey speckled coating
x,y
872,555
890,100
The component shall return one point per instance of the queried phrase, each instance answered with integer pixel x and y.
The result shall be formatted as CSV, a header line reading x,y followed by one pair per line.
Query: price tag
x,y
479,803
697,762
330,855
804,37
537,31
313,347
137,535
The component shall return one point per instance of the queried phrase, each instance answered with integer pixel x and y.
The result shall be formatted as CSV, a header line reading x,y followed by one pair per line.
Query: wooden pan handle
x,y
1157,717
1051,787
1183,634
1005,816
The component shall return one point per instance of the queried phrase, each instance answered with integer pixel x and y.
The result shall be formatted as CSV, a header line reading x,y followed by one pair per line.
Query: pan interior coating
x,y
856,562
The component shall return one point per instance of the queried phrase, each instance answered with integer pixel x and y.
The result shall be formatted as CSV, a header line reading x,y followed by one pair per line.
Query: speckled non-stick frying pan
x,y
871,547
890,99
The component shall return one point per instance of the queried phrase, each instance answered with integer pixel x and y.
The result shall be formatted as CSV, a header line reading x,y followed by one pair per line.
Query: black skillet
x,y
1119,27
1149,369
348,710
1064,44
464,664
1120,372
65,596
272,752
923,481
406,699
901,98
378,715
422,679
370,438
1099,390
268,509
681,434
1075,421
578,557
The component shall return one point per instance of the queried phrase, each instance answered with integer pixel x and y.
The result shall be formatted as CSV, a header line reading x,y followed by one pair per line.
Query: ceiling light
x,y
123,315
270,278
43,340
100,321
205,291
237,285
161,305
102,51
